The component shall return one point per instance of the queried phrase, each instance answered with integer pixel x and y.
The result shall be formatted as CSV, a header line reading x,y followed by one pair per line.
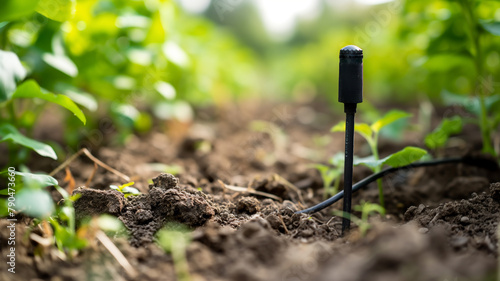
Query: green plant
x,y
331,173
371,134
66,236
13,120
459,55
475,29
32,199
174,238
440,135
126,189
366,210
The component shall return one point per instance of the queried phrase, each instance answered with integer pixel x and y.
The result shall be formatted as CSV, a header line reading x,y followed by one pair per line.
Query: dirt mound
x,y
404,253
145,214
472,223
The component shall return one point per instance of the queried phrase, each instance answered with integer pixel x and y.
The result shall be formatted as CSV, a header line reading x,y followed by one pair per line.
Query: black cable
x,y
481,162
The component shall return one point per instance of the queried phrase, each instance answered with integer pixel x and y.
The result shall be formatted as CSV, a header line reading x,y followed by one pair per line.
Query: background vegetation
x,y
136,61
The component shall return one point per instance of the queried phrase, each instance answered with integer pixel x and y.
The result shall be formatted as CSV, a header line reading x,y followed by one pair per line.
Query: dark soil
x,y
441,222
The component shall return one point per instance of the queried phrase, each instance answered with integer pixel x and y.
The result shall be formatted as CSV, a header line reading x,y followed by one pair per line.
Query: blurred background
x,y
144,59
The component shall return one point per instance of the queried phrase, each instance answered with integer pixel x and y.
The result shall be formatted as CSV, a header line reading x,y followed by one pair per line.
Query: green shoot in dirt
x,y
35,201
366,210
371,133
448,126
331,174
174,238
65,234
126,189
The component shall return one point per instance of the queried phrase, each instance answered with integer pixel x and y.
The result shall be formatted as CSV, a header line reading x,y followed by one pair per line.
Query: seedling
x,y
481,107
366,210
448,126
174,239
331,174
371,133
126,189
67,238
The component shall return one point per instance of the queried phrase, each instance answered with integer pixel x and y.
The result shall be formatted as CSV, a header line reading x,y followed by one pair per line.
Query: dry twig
x,y
249,190
94,159
116,253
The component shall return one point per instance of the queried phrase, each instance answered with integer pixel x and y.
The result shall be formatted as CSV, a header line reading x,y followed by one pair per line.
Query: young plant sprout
x,y
126,189
366,210
65,233
174,239
371,134
448,126
331,174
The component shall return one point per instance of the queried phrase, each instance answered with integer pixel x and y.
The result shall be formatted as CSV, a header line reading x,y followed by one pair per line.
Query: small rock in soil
x,y
165,181
248,205
423,230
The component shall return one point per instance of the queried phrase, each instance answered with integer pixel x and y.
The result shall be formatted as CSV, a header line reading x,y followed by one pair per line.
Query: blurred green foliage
x,y
137,60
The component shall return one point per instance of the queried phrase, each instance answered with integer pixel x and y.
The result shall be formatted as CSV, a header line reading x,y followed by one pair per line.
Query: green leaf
x,y
361,128
440,135
11,72
401,158
40,180
492,27
35,202
61,63
404,157
131,190
338,160
9,132
369,161
14,9
364,130
339,127
30,89
389,118
58,59
78,96
58,10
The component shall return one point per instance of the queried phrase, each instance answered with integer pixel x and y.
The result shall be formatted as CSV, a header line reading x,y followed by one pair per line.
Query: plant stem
x,y
336,185
373,146
475,36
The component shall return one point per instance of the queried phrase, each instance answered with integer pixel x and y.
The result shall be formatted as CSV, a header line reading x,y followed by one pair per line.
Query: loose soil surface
x,y
441,222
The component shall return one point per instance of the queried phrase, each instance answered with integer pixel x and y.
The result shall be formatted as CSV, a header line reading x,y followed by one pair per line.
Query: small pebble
x,y
459,241
423,230
420,209
465,219
307,233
